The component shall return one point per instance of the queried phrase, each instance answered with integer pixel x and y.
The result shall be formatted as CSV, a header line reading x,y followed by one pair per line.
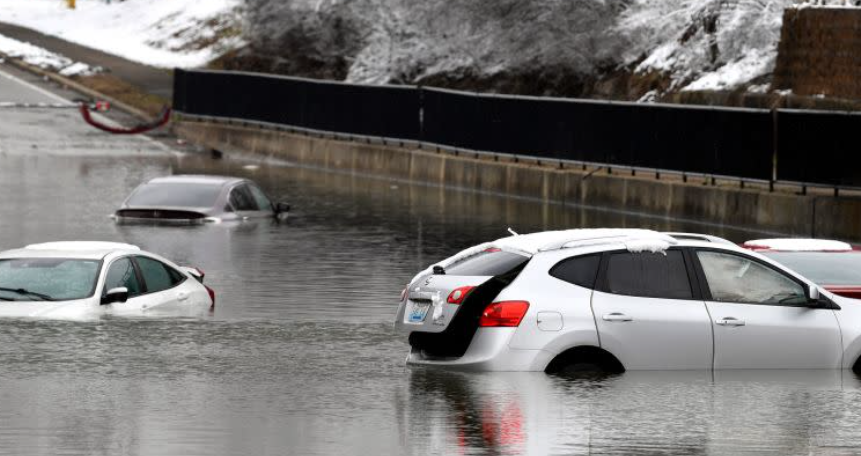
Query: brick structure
x,y
820,52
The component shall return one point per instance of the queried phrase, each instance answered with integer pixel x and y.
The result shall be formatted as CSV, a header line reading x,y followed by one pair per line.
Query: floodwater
x,y
299,357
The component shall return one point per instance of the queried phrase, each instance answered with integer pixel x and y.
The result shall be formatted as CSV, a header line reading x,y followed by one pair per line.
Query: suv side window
x,y
241,198
156,274
581,270
122,274
648,275
260,198
734,278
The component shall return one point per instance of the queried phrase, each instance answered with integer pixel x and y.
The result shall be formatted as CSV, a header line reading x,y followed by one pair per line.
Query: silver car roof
x,y
196,179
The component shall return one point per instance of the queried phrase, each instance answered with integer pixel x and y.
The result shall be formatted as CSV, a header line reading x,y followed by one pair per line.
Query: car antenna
x,y
513,233
439,270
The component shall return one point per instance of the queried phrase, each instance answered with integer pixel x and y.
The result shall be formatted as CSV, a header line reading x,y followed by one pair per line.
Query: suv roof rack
x,y
699,237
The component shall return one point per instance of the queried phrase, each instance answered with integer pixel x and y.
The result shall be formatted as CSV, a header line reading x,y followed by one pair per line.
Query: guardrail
x,y
808,147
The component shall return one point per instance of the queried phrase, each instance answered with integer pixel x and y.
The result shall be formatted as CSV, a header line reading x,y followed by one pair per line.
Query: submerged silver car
x,y
198,199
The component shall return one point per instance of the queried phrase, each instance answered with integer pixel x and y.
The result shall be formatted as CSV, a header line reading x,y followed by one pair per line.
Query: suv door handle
x,y
616,316
729,321
181,296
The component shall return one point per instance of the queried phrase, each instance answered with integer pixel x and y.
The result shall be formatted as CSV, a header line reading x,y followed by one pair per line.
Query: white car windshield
x,y
175,194
47,279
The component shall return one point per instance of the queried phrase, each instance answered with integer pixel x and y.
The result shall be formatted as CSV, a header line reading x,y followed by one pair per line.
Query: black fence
x,y
798,146
388,111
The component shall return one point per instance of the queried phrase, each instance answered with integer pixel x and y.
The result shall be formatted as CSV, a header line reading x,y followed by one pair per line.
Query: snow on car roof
x,y
798,245
194,179
70,249
635,240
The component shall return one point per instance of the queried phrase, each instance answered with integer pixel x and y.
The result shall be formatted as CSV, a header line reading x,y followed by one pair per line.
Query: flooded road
x,y
299,357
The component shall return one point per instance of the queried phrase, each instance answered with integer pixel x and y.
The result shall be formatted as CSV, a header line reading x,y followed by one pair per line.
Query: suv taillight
x,y
458,295
503,314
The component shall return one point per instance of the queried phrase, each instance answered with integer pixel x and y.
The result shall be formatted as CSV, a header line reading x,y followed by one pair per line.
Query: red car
x,y
833,264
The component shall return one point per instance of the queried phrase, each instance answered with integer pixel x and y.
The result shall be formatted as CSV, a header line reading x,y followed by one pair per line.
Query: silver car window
x,y
241,199
734,278
263,202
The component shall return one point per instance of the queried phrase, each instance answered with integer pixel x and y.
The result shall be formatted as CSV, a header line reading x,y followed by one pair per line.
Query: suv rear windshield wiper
x,y
23,291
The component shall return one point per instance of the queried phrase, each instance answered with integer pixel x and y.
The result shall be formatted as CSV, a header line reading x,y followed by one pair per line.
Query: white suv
x,y
623,299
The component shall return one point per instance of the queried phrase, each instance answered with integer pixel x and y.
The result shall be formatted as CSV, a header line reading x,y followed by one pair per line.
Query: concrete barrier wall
x,y
786,212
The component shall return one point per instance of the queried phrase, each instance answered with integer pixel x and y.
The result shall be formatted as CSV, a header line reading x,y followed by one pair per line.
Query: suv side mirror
x,y
119,294
282,208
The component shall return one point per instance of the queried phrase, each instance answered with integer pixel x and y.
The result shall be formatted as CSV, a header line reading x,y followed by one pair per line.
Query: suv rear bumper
x,y
488,351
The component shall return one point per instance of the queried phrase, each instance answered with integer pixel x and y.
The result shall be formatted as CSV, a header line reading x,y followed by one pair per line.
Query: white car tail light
x,y
211,296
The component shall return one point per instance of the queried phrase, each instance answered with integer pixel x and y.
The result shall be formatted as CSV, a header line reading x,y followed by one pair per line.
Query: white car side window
x,y
122,274
733,278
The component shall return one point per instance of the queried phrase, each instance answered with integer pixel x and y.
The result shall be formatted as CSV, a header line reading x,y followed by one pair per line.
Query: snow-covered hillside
x,y
603,48
376,41
630,46
705,44
164,33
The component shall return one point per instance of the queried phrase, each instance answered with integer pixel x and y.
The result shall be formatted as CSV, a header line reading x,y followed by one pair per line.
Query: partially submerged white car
x,y
79,280
613,300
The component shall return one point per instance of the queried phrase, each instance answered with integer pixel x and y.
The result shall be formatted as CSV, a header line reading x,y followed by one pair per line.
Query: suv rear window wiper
x,y
23,291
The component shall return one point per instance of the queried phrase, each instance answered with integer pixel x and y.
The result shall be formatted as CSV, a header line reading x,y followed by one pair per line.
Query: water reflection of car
x,y
834,265
639,413
198,199
622,300
500,413
91,279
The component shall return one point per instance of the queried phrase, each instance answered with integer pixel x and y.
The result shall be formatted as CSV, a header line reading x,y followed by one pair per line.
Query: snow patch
x,y
162,33
79,69
757,62
799,245
43,58
650,246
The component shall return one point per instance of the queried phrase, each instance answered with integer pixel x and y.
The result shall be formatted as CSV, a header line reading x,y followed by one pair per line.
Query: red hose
x,y
163,119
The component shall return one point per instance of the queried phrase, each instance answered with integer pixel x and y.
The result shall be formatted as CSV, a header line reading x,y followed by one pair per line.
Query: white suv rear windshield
x,y
491,262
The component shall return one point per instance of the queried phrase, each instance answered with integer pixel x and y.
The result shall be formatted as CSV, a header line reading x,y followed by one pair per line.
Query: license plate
x,y
417,312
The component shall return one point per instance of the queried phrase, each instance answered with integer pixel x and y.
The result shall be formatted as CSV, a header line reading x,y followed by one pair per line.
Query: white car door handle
x,y
182,296
730,321
616,316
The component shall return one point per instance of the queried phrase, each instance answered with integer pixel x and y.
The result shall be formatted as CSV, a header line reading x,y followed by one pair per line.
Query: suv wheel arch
x,y
585,359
